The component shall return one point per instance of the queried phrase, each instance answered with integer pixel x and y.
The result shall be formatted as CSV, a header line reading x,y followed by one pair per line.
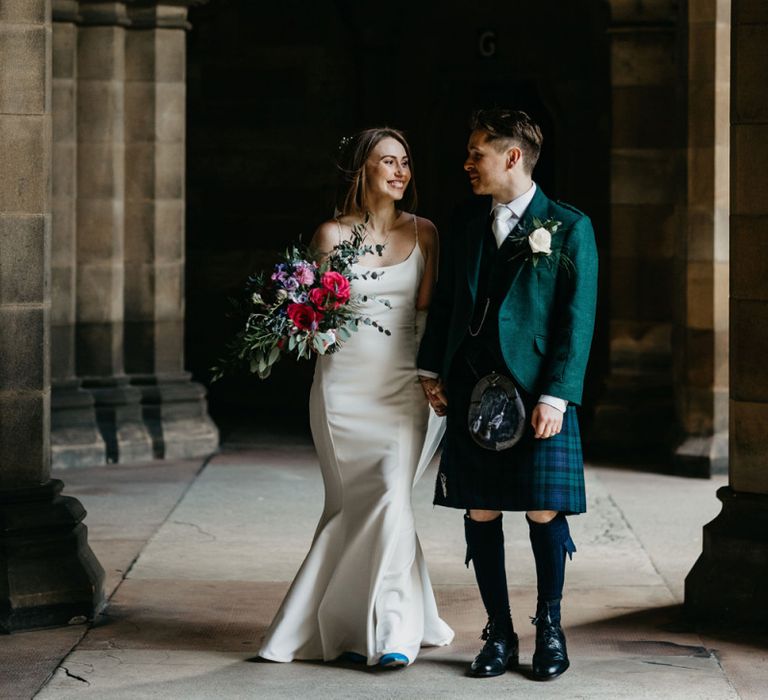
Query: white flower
x,y
540,241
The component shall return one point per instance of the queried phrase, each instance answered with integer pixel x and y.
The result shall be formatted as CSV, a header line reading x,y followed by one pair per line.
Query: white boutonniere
x,y
539,240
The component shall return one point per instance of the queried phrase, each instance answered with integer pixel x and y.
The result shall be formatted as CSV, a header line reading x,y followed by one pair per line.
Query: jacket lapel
x,y
476,230
537,209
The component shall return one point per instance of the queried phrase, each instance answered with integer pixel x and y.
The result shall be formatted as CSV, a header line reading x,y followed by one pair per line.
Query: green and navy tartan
x,y
544,474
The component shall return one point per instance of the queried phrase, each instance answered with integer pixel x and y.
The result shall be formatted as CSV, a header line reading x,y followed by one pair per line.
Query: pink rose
x,y
337,284
304,317
304,274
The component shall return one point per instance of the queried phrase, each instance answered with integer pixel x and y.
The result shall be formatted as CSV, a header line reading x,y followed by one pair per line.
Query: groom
x,y
522,306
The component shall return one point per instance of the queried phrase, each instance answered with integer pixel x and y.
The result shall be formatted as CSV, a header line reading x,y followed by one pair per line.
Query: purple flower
x,y
291,284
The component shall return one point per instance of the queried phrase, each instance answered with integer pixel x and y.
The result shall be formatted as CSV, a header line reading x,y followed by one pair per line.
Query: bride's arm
x,y
429,248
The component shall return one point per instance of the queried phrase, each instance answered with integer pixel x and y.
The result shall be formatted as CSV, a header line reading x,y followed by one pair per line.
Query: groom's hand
x,y
546,420
435,393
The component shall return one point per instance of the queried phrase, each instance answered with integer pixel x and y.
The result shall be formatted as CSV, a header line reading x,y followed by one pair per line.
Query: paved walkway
x,y
198,559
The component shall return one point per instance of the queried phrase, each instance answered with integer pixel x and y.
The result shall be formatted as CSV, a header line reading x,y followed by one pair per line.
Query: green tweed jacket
x,y
546,319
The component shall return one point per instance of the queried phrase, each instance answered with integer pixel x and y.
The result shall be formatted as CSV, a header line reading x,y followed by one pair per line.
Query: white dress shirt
x,y
518,207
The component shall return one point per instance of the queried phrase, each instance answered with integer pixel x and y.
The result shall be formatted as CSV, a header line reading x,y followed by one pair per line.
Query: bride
x,y
363,591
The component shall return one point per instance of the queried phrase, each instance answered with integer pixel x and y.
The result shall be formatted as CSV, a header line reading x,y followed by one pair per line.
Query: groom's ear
x,y
514,156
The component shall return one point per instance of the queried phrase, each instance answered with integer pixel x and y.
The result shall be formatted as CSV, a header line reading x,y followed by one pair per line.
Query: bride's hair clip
x,y
344,142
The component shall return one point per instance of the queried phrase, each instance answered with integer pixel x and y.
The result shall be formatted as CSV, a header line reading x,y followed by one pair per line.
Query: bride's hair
x,y
351,190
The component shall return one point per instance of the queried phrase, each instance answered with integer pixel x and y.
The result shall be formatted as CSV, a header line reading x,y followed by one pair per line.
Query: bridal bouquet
x,y
301,307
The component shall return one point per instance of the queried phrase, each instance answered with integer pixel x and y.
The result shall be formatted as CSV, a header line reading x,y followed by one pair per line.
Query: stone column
x,y
100,230
48,574
174,408
727,583
75,438
701,375
636,416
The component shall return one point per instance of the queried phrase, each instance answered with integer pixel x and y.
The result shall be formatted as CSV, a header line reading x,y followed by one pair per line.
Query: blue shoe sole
x,y
393,661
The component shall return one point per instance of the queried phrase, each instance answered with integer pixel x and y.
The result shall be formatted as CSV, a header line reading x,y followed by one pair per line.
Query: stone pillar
x,y
75,438
702,348
635,418
174,408
48,574
727,583
100,231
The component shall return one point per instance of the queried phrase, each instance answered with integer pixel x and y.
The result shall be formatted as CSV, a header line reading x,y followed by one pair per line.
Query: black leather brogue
x,y
500,651
550,659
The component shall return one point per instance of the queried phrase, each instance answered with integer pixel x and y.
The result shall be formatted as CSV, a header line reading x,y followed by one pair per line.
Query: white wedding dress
x,y
364,586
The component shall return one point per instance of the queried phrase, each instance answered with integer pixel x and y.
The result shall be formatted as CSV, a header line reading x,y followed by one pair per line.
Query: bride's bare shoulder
x,y
427,233
327,235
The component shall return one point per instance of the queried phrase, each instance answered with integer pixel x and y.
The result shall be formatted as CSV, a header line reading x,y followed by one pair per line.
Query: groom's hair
x,y
504,126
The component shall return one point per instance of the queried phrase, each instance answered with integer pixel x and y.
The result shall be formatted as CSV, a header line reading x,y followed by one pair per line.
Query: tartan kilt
x,y
544,474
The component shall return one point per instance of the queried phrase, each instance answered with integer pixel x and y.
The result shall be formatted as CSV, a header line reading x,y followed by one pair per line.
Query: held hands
x,y
435,394
546,420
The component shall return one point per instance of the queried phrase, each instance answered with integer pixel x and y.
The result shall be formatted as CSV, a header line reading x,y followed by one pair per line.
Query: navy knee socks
x,y
550,543
485,547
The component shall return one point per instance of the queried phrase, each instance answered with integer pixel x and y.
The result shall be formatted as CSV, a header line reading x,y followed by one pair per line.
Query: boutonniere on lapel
x,y
536,244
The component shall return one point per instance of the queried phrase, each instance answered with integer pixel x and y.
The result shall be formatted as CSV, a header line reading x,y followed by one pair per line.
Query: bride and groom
x,y
512,297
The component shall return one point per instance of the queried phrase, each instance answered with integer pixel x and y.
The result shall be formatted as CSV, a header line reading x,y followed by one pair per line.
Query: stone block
x,y
140,171
140,285
722,368
100,293
169,345
64,50
642,289
701,176
23,259
169,167
646,58
24,413
99,349
139,231
701,232
62,351
101,53
170,111
749,446
645,231
62,295
702,49
169,291
632,11
64,112
32,11
700,296
63,231
643,116
140,111
749,250
722,272
647,176
171,60
140,55
139,347
100,105
749,349
169,230
99,230
748,158
750,68
700,355
101,171
703,10
64,170
750,12
24,351
23,80
24,143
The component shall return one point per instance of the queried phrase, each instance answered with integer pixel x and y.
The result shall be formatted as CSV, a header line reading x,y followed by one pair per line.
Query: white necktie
x,y
502,223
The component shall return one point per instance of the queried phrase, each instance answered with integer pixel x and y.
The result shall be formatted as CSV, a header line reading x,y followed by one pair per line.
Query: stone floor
x,y
199,556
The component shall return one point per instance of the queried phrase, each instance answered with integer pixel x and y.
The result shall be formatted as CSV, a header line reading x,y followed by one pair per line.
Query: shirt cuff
x,y
559,404
430,375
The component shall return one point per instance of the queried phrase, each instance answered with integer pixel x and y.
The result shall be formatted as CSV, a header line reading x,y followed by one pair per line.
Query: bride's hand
x,y
435,394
